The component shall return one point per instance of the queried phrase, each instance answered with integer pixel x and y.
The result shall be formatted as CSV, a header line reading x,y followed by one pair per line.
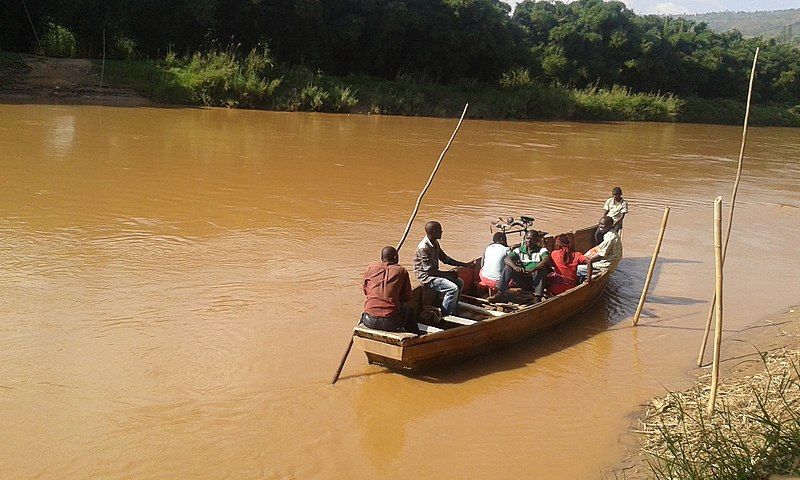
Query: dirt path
x,y
61,80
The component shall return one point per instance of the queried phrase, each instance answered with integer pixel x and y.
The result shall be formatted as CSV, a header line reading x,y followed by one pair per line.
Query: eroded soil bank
x,y
61,80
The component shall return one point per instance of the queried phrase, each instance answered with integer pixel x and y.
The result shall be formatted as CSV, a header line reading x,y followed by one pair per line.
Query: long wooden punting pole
x,y
717,302
408,225
652,267
733,204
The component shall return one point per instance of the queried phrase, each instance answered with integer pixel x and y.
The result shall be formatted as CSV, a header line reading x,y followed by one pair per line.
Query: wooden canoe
x,y
477,328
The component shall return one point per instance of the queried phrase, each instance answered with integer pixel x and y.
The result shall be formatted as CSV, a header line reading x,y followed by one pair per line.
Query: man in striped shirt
x,y
426,267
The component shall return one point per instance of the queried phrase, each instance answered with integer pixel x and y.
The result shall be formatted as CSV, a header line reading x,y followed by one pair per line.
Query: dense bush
x,y
58,41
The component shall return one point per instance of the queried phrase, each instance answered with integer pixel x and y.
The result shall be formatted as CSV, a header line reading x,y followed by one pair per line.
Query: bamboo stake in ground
x,y
733,204
717,302
408,225
652,267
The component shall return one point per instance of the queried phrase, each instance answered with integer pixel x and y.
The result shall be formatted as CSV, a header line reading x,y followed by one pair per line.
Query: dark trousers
x,y
402,322
532,282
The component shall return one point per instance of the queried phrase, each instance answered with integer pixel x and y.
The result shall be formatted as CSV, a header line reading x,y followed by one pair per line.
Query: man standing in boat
x,y
527,265
388,291
426,267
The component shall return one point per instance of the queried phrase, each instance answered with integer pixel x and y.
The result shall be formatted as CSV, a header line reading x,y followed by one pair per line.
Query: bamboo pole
x,y
717,302
103,69
733,204
652,267
430,179
408,225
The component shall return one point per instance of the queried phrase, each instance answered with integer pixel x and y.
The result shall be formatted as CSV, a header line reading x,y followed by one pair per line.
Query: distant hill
x,y
783,25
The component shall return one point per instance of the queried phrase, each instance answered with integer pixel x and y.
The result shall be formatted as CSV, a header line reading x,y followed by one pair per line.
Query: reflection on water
x,y
179,285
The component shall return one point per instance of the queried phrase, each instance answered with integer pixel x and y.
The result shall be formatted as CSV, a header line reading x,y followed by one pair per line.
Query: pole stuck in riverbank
x,y
717,303
652,267
408,225
733,202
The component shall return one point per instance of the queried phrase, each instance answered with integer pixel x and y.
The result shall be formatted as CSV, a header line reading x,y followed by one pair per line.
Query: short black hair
x,y
616,191
499,237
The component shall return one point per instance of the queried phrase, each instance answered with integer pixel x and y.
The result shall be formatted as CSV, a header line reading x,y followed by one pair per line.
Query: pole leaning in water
x,y
652,267
408,225
733,205
717,303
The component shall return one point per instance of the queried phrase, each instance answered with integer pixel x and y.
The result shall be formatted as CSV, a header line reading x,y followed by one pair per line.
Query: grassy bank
x,y
754,433
227,78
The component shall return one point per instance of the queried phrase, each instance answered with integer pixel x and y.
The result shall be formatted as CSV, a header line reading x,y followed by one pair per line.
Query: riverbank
x,y
224,78
755,431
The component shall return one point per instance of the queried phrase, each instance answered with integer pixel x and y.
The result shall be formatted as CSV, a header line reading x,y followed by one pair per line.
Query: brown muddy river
x,y
179,284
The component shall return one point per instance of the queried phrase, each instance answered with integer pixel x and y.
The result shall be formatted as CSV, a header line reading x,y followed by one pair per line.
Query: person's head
x,y
389,255
563,241
500,237
433,230
532,238
605,223
616,192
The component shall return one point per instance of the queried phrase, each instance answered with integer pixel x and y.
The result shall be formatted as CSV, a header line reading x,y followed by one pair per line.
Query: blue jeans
x,y
450,289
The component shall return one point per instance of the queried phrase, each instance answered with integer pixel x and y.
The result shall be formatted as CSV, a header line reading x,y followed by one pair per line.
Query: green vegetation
x,y
58,41
11,61
584,59
754,433
782,25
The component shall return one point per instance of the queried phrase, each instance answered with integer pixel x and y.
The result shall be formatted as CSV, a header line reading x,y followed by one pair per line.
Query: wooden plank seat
x,y
459,320
394,338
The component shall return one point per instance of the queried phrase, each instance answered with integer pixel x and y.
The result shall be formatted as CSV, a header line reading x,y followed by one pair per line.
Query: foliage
x,y
581,44
58,41
12,61
517,77
123,48
783,25
754,432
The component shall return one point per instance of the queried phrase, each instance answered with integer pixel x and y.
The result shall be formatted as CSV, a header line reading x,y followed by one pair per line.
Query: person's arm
x,y
449,261
405,293
621,216
589,262
364,283
511,262
543,264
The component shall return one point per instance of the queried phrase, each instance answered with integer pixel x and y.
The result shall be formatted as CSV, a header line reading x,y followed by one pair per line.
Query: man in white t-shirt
x,y
494,260
616,207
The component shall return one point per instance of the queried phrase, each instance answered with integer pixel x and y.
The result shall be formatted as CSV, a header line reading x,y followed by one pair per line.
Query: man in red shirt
x,y
387,287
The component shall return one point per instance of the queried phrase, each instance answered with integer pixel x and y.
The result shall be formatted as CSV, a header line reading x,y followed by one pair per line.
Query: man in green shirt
x,y
527,265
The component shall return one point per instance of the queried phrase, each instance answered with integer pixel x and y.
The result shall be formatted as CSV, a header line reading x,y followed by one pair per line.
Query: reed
x,y
754,433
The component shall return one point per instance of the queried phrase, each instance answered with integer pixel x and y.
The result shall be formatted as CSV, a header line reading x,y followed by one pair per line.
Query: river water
x,y
179,284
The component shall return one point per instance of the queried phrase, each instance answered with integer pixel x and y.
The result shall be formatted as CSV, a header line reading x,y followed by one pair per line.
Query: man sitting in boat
x,y
608,253
527,265
388,290
494,261
565,261
426,267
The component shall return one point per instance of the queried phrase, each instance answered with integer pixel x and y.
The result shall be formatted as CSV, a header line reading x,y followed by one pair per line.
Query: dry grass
x,y
754,432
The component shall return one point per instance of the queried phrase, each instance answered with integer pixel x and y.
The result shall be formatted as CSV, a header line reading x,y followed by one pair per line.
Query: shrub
x,y
517,77
312,98
341,99
58,41
123,48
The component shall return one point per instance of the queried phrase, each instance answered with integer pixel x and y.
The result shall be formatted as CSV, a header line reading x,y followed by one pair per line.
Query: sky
x,y
643,7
